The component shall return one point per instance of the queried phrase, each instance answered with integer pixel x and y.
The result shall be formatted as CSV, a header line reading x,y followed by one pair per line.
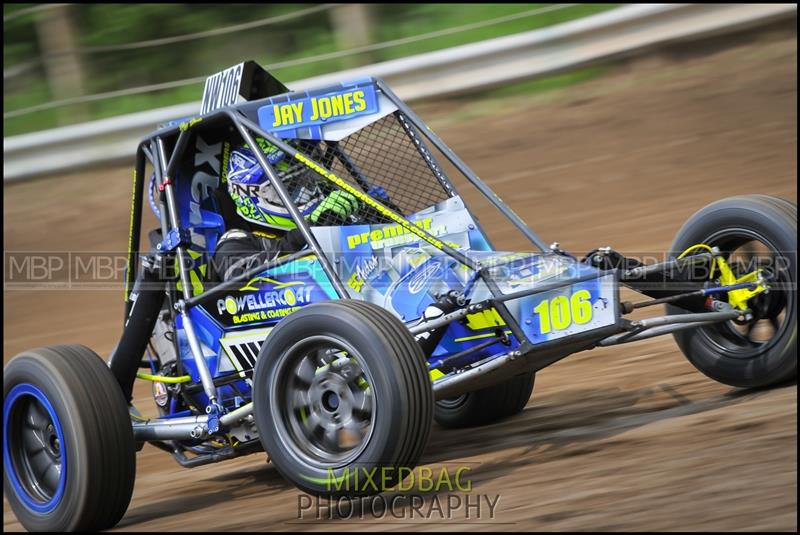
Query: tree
x,y
56,35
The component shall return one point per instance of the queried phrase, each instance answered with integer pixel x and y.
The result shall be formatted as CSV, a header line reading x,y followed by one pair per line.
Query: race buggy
x,y
335,358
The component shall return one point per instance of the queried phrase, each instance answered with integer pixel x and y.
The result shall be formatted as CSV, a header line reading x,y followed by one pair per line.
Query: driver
x,y
268,230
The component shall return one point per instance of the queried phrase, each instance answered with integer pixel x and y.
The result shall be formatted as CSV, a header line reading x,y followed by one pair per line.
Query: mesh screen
x,y
385,159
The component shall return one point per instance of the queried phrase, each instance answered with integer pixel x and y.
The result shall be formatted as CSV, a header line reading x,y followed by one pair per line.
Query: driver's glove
x,y
334,209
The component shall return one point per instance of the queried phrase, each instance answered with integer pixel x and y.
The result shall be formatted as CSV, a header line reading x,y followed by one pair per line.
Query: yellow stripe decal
x,y
277,285
477,336
369,201
130,235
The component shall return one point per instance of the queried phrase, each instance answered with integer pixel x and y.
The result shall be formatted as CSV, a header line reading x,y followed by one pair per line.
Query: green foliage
x,y
99,25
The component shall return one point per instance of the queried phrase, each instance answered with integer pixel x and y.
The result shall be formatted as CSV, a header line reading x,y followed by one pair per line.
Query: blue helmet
x,y
252,192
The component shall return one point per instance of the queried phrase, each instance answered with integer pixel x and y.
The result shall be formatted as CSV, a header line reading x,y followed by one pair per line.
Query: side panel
x,y
391,267
270,296
232,329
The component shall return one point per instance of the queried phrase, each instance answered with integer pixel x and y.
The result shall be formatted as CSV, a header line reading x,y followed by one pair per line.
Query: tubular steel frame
x,y
153,149
247,128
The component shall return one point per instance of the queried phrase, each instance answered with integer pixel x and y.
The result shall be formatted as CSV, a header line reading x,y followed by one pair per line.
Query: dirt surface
x,y
624,438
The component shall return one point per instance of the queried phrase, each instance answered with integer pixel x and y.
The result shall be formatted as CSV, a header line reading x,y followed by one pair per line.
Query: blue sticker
x,y
318,110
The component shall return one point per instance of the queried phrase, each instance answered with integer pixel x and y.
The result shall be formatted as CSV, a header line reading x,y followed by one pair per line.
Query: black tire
x,y
722,352
487,405
88,435
385,363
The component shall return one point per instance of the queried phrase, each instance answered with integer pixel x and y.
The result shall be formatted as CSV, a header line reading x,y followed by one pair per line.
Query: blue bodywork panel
x,y
393,268
386,264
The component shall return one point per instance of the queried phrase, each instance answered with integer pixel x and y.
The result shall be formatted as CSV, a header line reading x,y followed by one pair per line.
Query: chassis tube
x,y
459,383
441,321
424,130
649,327
143,299
172,208
199,360
243,124
187,428
297,217
671,319
147,297
644,270
235,415
135,227
624,338
235,282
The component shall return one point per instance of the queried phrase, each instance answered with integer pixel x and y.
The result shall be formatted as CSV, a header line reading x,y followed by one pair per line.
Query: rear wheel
x,y
487,405
69,455
753,232
341,390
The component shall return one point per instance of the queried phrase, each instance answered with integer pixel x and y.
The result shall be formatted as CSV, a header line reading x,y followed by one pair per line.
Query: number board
x,y
567,311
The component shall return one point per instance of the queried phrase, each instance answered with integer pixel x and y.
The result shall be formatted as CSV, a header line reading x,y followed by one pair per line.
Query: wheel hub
x,y
332,405
330,401
51,443
750,253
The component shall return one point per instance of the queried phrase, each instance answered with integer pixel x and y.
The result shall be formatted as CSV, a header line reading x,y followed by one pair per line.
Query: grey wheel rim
x,y
322,402
36,449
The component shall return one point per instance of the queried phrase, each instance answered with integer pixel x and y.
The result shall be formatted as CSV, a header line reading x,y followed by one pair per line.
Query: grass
x,y
415,20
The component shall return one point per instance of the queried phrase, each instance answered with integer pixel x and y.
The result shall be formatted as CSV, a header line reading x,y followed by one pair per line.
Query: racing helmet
x,y
252,192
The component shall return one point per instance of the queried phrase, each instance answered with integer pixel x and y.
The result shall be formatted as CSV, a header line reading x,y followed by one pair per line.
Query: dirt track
x,y
626,438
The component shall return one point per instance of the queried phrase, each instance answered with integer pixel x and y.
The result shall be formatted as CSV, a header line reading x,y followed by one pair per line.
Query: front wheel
x,y
342,399
69,456
753,232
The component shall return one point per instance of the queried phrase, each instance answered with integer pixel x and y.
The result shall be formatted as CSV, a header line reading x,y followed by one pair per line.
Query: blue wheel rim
x,y
33,491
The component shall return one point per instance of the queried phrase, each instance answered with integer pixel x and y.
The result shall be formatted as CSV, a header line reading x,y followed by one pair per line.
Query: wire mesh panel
x,y
386,159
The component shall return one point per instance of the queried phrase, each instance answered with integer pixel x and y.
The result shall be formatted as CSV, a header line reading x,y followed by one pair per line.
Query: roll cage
x,y
165,149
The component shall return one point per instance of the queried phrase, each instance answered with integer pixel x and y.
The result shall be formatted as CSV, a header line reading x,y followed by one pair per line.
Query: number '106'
x,y
561,311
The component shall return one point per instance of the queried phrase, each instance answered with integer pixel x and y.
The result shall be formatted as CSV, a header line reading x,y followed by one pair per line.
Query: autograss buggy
x,y
335,359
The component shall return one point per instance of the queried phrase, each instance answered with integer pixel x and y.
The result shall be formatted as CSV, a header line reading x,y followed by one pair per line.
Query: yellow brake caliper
x,y
737,298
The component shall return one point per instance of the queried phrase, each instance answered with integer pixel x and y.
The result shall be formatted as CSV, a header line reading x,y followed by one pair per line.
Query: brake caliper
x,y
739,297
